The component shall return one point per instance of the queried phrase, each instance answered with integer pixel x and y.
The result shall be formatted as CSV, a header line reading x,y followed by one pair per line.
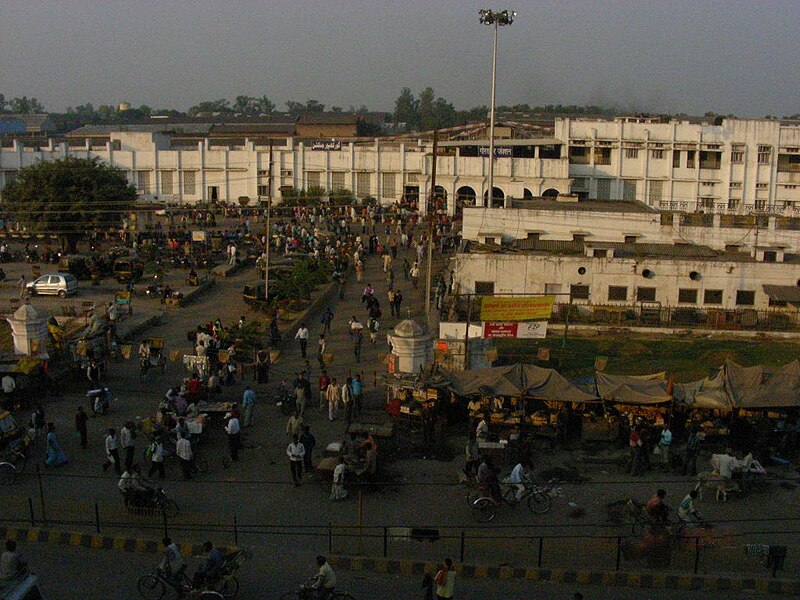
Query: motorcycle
x,y
99,400
153,498
285,399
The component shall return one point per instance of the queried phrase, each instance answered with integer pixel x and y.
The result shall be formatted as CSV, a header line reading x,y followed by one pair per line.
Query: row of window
x,y
619,293
579,155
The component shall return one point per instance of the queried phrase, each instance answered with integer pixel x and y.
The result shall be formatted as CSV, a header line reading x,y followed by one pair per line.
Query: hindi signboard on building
x,y
529,330
326,145
517,308
502,152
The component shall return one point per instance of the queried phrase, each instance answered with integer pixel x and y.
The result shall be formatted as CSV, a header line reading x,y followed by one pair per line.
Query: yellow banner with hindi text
x,y
517,308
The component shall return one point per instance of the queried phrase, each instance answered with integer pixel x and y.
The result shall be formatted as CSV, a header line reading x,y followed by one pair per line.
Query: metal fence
x,y
513,545
644,314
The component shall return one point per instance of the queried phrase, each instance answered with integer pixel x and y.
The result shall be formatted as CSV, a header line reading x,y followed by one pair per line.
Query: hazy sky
x,y
728,56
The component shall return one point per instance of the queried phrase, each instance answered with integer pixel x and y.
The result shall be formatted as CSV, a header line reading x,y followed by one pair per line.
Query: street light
x,y
496,19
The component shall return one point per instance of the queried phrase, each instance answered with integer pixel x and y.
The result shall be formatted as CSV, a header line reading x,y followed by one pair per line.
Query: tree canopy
x,y
68,198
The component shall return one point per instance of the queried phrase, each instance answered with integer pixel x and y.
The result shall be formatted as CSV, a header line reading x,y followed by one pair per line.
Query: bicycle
x,y
153,586
676,529
308,592
484,506
12,462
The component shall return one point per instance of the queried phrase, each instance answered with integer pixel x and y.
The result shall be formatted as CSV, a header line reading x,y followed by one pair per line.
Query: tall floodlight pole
x,y
269,231
495,19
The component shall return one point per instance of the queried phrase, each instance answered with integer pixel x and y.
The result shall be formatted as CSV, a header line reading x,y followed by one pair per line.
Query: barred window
x,y
617,292
189,186
389,180
166,183
337,180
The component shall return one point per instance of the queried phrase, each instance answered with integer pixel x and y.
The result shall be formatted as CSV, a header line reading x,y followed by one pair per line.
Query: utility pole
x,y
269,231
431,216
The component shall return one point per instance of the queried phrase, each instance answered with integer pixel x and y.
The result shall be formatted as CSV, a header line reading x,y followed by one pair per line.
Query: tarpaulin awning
x,y
633,389
707,393
758,387
518,380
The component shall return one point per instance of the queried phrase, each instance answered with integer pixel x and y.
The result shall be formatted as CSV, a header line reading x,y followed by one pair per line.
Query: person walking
x,y
262,367
233,429
309,441
294,426
22,287
347,400
81,421
156,452
445,580
406,268
112,452
390,298
358,394
326,320
55,456
128,442
338,492
398,300
183,450
302,335
296,453
332,394
414,273
321,347
248,404
323,383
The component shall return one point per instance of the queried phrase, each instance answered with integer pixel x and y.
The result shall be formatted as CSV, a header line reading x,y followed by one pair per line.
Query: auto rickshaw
x,y
128,269
75,264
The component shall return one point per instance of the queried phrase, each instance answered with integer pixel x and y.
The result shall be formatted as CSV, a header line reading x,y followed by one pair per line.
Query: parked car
x,y
60,284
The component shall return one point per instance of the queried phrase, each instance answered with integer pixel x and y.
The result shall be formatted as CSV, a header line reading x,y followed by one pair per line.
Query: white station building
x,y
735,167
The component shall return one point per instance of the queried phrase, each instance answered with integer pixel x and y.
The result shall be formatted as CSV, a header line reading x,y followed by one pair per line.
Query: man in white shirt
x,y
482,430
519,476
302,335
112,453
325,581
296,451
128,443
183,449
8,384
233,429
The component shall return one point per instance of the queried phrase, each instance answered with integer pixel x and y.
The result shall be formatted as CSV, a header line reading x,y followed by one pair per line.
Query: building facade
x,y
737,166
386,170
627,275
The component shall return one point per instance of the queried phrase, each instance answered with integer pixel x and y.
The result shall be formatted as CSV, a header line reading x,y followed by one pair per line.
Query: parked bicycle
x,y
484,506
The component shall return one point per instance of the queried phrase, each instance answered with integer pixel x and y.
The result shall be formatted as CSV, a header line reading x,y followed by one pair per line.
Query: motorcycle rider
x,y
134,487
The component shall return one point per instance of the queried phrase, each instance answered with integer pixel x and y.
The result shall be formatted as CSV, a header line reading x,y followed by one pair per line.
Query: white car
x,y
55,284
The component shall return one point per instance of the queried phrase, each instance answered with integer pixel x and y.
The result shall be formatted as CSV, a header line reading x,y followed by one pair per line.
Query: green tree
x,y
266,106
25,106
68,198
406,109
427,117
2,103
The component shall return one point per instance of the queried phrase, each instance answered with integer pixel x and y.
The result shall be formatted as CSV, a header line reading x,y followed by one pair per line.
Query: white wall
x,y
602,226
531,273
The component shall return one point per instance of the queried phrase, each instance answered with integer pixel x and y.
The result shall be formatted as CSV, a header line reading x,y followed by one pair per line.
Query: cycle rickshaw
x,y
14,441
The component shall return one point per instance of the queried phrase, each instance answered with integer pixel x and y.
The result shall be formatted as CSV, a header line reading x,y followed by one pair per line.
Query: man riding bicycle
x,y
325,580
687,512
134,488
210,569
657,510
487,477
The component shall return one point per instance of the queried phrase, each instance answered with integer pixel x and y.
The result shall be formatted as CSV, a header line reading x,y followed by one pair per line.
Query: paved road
x,y
81,574
258,492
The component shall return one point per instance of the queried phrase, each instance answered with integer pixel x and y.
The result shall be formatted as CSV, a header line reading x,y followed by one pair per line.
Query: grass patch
x,y
688,358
